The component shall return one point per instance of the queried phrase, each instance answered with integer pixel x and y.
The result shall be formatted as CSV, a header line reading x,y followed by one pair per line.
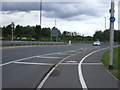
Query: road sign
x,y
54,32
112,19
110,11
12,25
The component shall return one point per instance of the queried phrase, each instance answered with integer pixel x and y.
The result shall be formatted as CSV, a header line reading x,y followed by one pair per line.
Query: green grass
x,y
116,62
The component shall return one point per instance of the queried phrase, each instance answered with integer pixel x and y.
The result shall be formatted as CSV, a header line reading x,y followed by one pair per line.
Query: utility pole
x,y
112,19
40,17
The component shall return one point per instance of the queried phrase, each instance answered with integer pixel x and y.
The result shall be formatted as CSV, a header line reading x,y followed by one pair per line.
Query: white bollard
x,y
70,42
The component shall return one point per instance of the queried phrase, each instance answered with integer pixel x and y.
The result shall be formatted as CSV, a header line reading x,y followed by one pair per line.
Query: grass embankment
x,y
116,62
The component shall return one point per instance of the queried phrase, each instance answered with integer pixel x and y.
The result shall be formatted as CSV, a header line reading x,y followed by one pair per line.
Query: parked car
x,y
96,43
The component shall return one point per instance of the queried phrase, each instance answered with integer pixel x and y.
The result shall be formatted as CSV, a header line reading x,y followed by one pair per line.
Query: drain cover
x,y
55,73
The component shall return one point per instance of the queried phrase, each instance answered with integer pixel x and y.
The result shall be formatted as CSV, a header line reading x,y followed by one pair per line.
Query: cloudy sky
x,y
82,16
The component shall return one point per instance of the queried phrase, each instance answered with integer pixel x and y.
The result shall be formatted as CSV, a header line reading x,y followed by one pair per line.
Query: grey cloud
x,y
62,10
20,6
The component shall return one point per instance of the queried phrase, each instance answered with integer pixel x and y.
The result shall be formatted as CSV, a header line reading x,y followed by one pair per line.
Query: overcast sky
x,y
81,16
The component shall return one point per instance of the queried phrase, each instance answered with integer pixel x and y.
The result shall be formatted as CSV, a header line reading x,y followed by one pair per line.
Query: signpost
x,y
112,19
12,26
54,33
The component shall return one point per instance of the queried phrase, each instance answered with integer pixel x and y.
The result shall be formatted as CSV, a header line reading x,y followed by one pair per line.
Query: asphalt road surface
x,y
75,66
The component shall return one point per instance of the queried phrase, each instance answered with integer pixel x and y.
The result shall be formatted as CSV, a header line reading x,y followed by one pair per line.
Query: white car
x,y
96,43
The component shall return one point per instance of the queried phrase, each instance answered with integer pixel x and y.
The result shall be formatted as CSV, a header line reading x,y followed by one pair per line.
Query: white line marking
x,y
46,77
58,53
16,61
71,61
33,63
65,53
49,54
47,57
71,51
82,81
27,58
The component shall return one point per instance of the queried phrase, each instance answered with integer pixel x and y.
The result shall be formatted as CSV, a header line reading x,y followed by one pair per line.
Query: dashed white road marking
x,y
71,61
81,79
33,63
48,57
65,53
71,51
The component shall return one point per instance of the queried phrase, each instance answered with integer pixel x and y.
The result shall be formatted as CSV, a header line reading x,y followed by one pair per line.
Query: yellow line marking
x,y
92,63
68,63
82,63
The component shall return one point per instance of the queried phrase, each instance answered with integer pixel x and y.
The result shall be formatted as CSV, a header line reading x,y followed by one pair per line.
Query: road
x,y
75,66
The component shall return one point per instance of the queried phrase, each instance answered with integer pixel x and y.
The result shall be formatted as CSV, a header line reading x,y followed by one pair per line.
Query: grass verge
x,y
116,62
5,45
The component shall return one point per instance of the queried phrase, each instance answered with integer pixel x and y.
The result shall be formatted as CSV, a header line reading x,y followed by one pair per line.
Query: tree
x,y
106,35
45,32
38,32
19,31
98,35
117,35
6,31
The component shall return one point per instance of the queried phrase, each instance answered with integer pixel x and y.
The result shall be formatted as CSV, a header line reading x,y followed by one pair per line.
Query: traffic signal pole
x,y
112,19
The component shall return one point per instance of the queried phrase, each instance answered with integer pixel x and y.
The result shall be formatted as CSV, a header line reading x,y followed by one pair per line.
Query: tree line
x,y
105,35
44,34
40,34
35,32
